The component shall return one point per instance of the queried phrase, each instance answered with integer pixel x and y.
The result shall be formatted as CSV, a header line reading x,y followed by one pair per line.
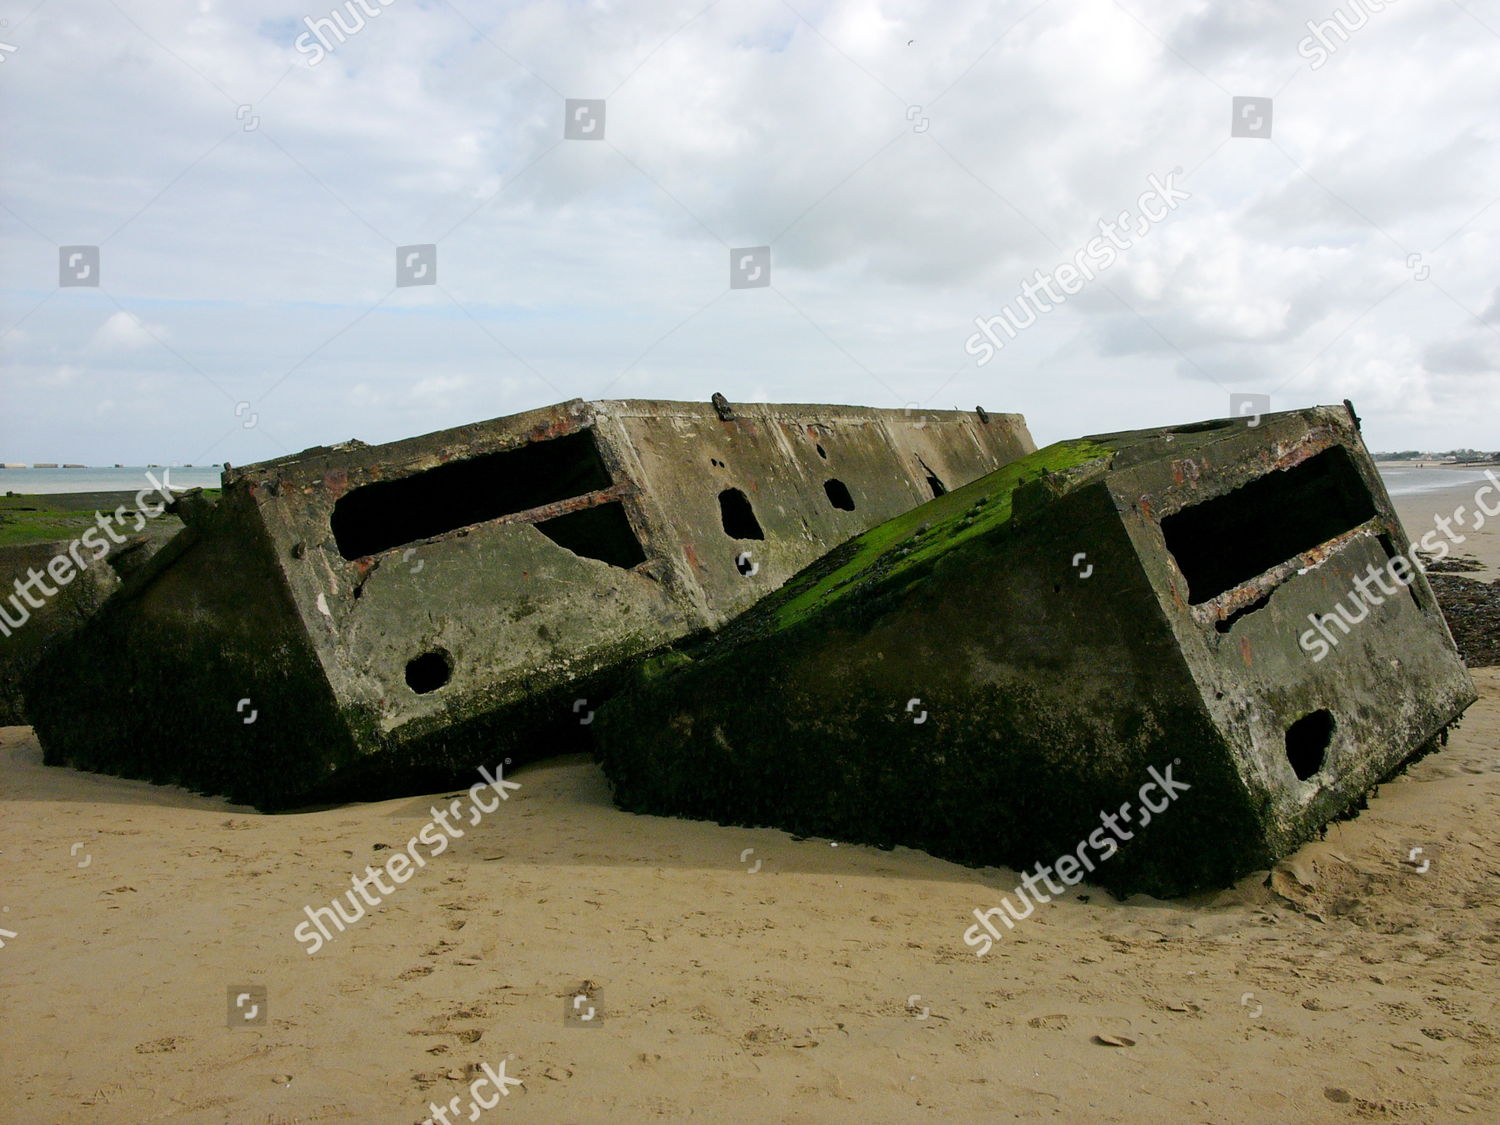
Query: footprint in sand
x,y
1401,1010
1056,1022
160,1046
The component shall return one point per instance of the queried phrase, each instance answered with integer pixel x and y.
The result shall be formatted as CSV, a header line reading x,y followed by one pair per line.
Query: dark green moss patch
x,y
911,542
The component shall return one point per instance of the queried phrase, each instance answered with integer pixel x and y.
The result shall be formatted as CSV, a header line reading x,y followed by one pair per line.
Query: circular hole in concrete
x,y
1307,742
838,494
737,516
428,672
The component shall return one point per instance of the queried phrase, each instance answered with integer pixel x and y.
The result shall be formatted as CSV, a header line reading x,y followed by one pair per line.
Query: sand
x,y
828,985
1417,512
736,975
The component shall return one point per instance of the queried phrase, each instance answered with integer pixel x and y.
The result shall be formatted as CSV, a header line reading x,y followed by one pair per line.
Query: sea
x,y
33,482
1400,481
1411,481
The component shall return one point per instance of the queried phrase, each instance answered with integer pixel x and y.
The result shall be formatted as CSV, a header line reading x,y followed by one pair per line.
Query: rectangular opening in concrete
x,y
1224,542
601,532
386,514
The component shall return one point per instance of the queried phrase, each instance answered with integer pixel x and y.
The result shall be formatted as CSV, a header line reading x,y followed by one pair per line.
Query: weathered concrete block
x,y
38,606
983,676
30,631
357,620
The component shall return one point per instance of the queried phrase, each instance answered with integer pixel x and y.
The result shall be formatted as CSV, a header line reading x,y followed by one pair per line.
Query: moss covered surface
x,y
904,549
31,519
1046,707
45,518
897,554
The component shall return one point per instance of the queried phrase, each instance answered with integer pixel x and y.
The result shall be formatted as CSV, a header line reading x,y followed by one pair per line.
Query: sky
x,y
252,194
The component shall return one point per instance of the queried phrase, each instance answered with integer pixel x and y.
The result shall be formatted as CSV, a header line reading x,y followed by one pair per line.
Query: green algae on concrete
x,y
982,680
903,548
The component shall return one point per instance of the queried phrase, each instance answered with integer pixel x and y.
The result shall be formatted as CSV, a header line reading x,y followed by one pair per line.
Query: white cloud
x,y
264,258
124,332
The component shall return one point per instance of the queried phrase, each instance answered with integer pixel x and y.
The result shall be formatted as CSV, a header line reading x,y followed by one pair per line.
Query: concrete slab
x,y
362,620
987,676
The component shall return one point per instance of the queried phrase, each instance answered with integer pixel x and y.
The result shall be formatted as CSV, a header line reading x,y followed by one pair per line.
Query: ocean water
x,y
29,482
1398,481
1410,482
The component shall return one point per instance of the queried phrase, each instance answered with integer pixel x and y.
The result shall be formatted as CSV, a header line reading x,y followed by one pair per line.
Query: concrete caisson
x,y
363,620
985,675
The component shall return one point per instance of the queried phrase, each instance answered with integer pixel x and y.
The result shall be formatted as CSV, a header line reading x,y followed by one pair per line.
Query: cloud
x,y
122,331
910,167
1462,357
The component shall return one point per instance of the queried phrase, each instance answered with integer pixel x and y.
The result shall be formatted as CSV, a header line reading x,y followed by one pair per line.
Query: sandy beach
x,y
1420,496
956,451
735,975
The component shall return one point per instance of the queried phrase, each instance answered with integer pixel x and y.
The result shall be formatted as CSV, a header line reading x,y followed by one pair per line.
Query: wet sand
x,y
1419,512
